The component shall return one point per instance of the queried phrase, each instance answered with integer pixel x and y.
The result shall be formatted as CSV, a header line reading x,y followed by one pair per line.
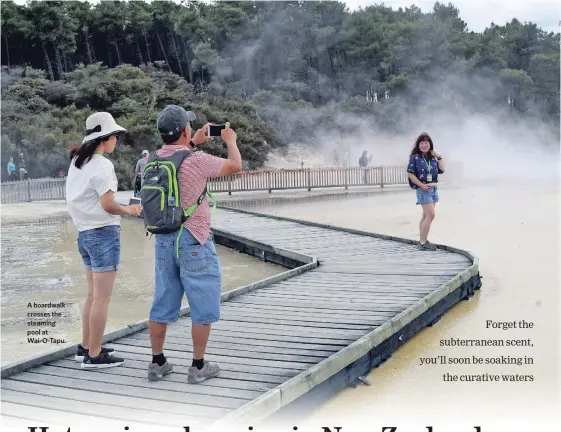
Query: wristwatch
x,y
439,157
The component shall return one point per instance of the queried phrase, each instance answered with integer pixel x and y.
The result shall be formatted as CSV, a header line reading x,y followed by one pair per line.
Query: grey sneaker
x,y
427,246
196,376
156,373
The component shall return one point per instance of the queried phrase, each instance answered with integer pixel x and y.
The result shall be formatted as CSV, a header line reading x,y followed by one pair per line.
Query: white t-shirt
x,y
84,186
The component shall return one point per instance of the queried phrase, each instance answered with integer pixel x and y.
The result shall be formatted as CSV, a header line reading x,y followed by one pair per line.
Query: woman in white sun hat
x,y
90,189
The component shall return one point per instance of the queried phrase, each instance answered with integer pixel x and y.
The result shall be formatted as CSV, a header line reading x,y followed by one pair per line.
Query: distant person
x,y
424,166
11,170
139,172
191,266
364,160
22,167
90,190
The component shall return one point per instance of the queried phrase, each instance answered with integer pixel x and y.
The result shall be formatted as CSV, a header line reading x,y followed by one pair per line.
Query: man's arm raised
x,y
231,165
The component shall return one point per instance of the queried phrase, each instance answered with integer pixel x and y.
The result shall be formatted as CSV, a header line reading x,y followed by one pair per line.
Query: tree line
x,y
278,68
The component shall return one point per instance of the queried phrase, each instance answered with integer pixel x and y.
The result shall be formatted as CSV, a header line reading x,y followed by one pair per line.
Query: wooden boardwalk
x,y
349,301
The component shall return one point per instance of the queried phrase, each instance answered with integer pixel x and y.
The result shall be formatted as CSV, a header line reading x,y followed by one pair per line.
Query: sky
x,y
478,14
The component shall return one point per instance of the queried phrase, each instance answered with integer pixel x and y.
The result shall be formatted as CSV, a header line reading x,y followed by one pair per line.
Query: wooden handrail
x,y
245,181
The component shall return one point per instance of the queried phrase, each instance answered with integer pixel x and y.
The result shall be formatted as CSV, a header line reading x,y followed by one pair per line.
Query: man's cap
x,y
145,152
174,118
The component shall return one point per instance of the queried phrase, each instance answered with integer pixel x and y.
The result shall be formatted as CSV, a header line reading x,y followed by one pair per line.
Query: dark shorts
x,y
196,273
101,248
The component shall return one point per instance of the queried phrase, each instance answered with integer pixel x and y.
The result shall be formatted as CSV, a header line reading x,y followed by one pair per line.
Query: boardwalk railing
x,y
34,190
306,178
309,178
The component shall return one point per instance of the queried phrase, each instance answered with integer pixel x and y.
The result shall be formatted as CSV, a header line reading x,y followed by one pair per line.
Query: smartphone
x,y
215,130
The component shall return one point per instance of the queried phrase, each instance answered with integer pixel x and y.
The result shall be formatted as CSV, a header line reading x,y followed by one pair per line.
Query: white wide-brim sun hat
x,y
101,125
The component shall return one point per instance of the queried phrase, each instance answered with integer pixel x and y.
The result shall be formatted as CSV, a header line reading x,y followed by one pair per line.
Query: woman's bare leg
x,y
421,222
428,216
102,288
86,311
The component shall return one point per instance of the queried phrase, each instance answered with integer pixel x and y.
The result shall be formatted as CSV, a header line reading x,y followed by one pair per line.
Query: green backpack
x,y
161,202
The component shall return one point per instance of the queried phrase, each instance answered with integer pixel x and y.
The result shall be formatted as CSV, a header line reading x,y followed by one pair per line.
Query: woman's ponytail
x,y
84,153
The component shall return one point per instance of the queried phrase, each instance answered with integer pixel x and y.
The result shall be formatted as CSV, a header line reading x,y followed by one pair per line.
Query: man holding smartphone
x,y
188,263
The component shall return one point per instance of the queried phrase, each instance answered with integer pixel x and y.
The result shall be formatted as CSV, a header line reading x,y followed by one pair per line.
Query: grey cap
x,y
173,118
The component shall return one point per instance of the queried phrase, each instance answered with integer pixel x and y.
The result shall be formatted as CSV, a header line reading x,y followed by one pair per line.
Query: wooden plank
x,y
335,279
260,350
281,329
304,314
393,269
255,334
217,340
371,249
120,396
227,378
404,292
232,352
359,286
298,318
296,321
328,303
318,275
302,238
375,298
174,386
340,297
288,310
296,231
273,364
26,394
359,244
345,271
224,363
389,259
371,255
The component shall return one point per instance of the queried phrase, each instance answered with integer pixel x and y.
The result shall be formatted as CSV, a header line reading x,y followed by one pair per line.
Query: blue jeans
x,y
101,248
430,197
196,273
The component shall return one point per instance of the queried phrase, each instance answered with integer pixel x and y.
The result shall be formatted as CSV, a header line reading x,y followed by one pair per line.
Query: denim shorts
x,y
100,248
430,197
196,273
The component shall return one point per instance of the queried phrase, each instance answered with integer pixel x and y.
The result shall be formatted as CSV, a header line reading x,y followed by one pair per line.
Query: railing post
x,y
269,182
229,185
346,178
309,176
28,190
382,176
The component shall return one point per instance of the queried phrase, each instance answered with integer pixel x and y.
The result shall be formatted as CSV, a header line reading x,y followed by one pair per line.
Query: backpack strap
x,y
188,212
202,196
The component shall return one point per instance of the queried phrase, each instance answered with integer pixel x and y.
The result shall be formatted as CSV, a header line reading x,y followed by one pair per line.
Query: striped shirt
x,y
193,174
